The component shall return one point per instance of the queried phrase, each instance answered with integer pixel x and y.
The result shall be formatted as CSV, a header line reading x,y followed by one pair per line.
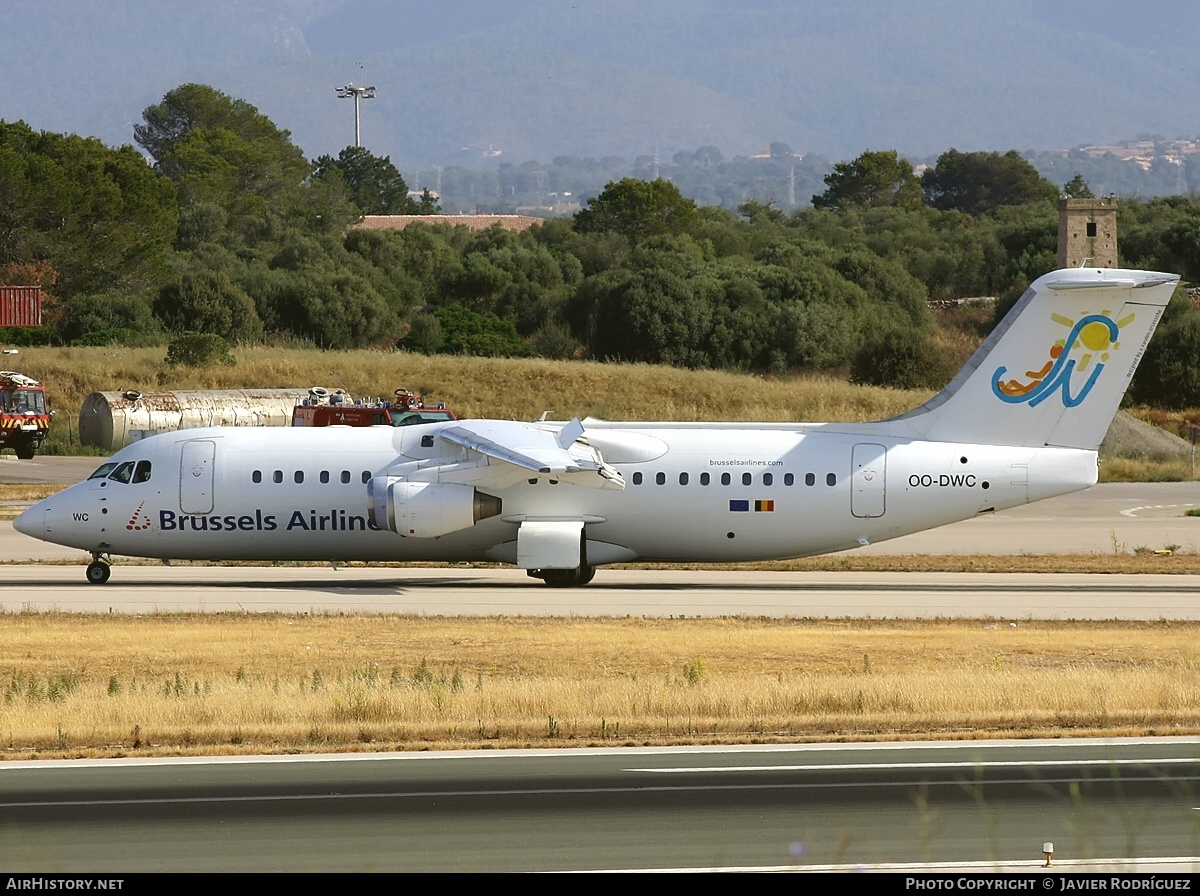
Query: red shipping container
x,y
20,306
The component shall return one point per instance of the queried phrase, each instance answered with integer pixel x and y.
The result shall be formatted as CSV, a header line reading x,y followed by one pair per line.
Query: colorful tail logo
x,y
1091,338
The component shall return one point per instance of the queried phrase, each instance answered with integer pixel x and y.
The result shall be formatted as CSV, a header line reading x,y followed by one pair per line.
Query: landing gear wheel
x,y
567,578
98,572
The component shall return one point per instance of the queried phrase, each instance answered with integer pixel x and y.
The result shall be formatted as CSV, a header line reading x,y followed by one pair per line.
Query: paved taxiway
x,y
949,807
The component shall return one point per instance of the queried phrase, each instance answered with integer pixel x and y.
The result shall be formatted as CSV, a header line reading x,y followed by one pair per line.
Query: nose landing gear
x,y
98,570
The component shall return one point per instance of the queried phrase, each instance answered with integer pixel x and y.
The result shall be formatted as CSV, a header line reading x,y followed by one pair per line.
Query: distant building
x,y
1087,232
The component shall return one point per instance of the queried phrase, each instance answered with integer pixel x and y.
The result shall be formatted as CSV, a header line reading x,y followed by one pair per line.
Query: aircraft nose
x,y
31,522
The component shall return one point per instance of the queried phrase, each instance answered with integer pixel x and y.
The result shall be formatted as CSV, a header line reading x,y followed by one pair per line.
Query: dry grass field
x,y
476,387
192,685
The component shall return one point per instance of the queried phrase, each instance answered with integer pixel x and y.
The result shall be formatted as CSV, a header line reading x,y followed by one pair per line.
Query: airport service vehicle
x,y
1021,422
325,408
24,417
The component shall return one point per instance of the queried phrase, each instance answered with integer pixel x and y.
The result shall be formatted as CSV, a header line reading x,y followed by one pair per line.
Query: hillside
x,y
531,79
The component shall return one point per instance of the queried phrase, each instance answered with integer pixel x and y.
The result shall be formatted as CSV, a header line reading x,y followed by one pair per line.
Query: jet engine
x,y
427,509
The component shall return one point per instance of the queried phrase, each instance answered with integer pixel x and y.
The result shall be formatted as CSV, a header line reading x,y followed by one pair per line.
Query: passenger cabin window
x,y
345,477
725,479
788,479
683,478
366,476
637,478
298,477
831,479
256,476
277,476
660,478
747,479
324,476
704,479
768,479
810,479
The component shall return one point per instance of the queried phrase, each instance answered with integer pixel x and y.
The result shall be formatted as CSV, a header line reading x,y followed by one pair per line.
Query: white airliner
x,y
1021,422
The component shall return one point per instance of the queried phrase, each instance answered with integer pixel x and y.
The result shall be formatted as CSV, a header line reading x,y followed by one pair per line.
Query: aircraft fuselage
x,y
692,493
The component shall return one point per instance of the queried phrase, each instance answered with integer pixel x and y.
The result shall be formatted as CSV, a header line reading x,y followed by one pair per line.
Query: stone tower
x,y
1087,231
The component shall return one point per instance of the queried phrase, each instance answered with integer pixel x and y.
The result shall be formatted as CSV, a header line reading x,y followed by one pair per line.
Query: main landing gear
x,y
565,578
98,571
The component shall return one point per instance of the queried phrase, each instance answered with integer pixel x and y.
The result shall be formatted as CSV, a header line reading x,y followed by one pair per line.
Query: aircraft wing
x,y
535,449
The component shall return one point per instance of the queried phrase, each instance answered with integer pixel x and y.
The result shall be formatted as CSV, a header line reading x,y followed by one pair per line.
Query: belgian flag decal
x,y
737,506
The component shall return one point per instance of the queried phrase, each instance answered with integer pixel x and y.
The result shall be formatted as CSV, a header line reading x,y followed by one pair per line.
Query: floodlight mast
x,y
358,93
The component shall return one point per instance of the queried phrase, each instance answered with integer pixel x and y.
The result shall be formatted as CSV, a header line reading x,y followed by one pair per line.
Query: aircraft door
x,y
196,469
867,480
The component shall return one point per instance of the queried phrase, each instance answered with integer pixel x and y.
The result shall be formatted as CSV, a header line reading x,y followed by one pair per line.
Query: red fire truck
x,y
325,408
24,418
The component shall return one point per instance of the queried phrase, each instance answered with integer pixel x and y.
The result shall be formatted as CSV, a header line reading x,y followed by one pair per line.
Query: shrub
x,y
198,350
900,359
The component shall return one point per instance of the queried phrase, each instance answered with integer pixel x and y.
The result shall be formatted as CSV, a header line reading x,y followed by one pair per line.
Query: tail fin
x,y
1053,372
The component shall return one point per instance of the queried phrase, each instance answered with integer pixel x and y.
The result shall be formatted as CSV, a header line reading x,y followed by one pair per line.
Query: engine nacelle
x,y
427,509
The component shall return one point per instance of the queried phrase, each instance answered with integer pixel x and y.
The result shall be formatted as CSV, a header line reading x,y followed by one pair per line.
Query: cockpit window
x,y
123,473
103,471
142,473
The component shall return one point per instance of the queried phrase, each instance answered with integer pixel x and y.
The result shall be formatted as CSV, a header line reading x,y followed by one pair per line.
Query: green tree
x,y
638,209
198,350
874,179
332,308
1169,376
209,303
980,182
196,108
221,150
760,212
1077,188
108,317
98,218
901,359
373,183
466,333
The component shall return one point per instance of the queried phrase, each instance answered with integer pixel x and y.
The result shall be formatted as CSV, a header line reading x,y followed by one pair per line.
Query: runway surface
x,y
662,593
948,807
